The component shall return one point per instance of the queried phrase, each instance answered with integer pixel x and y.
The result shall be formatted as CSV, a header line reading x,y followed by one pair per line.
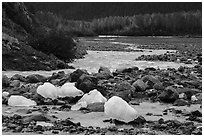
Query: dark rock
x,y
196,113
181,102
127,70
55,132
86,83
77,74
138,120
67,122
103,73
65,107
150,81
96,107
181,69
35,78
38,99
158,86
149,114
61,64
18,77
5,81
58,75
170,94
15,83
139,85
38,128
18,129
150,69
161,121
124,90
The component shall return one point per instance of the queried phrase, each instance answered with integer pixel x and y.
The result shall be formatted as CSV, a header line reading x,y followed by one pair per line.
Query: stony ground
x,y
168,101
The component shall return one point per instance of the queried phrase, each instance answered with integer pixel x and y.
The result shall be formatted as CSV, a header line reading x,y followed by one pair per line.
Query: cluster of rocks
x,y
180,87
185,53
173,57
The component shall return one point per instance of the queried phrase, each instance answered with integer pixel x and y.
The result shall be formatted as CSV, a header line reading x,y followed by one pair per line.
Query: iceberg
x,y
16,100
119,109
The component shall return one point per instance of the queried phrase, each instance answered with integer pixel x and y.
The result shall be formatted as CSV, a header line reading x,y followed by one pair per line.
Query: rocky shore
x,y
180,87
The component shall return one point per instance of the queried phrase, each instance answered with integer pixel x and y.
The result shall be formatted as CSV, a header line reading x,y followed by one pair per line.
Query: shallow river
x,y
111,59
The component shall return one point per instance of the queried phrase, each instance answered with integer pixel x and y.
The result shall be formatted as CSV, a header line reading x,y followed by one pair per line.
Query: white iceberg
x,y
5,94
79,105
47,90
93,96
16,100
69,90
119,109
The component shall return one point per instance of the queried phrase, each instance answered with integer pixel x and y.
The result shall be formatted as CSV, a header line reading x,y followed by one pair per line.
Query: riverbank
x,y
168,101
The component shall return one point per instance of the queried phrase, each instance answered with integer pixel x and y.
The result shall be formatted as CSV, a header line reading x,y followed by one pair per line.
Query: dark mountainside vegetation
x,y
132,19
90,10
27,44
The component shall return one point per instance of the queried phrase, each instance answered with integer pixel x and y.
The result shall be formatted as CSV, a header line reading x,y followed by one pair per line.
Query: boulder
x,y
35,78
158,86
5,81
150,81
126,70
124,90
181,102
86,83
47,90
170,94
139,85
77,74
69,90
57,75
15,83
119,109
103,73
16,100
18,77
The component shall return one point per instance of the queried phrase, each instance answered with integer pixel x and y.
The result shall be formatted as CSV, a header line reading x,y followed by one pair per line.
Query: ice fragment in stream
x,y
47,90
69,90
93,96
16,100
119,109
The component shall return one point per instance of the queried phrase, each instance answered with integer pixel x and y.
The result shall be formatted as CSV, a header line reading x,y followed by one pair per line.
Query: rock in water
x,y
47,90
93,96
119,109
15,100
170,94
139,85
69,90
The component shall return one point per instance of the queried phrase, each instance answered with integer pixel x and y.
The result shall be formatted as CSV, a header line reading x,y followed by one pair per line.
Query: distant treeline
x,y
178,23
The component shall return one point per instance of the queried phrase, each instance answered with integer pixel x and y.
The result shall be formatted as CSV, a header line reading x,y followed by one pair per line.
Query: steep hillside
x,y
18,27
